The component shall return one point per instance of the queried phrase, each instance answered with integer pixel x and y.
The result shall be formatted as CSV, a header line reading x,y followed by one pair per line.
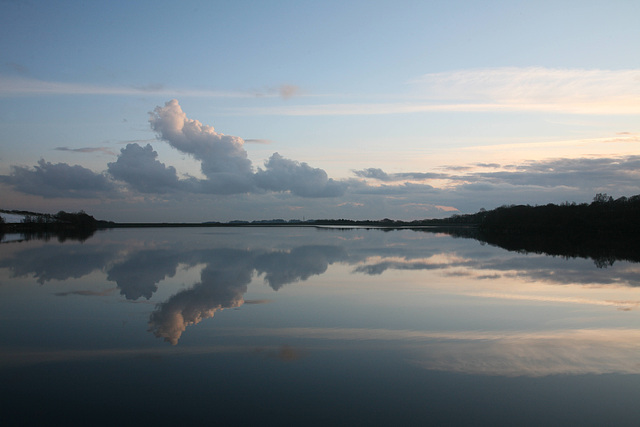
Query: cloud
x,y
498,90
380,175
219,153
223,158
225,163
23,86
58,180
373,173
531,84
587,91
258,141
478,187
138,167
288,91
467,188
506,89
104,150
228,170
257,301
85,293
585,173
282,174
406,188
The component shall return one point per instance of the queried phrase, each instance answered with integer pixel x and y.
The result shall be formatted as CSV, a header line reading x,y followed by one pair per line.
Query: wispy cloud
x,y
569,90
620,138
21,86
529,89
87,293
258,141
104,150
508,89
584,172
289,91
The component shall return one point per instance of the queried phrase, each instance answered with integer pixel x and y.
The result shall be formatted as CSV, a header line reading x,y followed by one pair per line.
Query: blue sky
x,y
375,109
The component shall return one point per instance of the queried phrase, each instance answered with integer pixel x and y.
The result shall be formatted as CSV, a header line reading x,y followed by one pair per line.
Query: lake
x,y
313,326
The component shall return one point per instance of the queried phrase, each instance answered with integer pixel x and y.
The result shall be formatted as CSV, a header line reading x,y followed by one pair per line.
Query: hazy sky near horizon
x,y
197,111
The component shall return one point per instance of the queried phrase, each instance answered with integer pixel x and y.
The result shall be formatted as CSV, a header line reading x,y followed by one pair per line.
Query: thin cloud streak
x,y
622,137
258,141
497,90
608,107
18,86
104,150
532,84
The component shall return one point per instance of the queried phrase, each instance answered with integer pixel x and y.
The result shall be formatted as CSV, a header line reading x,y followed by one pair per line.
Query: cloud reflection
x,y
139,275
219,289
229,264
225,279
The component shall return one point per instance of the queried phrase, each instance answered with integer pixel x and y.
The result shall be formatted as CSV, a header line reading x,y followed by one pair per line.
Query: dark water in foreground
x,y
305,326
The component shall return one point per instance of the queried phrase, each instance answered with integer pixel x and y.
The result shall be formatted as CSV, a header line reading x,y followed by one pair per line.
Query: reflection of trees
x,y
602,249
62,235
605,230
63,225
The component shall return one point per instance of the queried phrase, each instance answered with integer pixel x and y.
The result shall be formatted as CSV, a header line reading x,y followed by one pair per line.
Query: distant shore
x,y
603,217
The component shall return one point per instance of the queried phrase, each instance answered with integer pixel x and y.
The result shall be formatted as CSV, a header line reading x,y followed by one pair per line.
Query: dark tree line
x,y
605,230
62,225
603,217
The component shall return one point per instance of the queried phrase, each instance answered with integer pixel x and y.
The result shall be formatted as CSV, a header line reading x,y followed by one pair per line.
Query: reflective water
x,y
307,326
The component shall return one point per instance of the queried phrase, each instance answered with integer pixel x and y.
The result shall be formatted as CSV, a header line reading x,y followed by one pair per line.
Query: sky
x,y
213,111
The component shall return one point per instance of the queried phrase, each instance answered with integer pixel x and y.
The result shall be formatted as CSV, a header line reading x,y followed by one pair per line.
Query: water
x,y
306,326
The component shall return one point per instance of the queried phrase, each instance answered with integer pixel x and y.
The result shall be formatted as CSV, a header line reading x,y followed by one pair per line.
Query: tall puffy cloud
x,y
58,180
219,153
225,163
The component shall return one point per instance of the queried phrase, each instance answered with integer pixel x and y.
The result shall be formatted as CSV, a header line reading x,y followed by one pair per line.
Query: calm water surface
x,y
306,326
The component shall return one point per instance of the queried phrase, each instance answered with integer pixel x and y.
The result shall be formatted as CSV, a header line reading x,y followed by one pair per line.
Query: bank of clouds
x,y
227,170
